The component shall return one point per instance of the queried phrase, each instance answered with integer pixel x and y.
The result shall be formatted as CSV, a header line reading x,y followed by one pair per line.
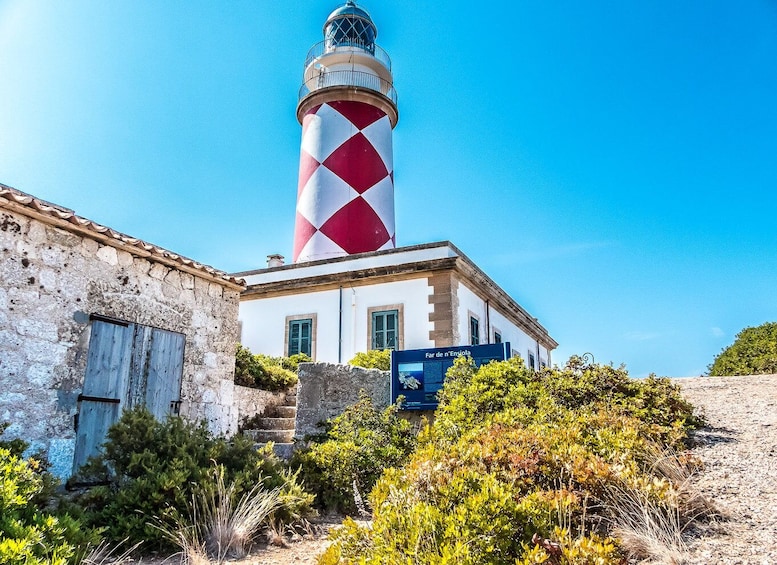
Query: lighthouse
x,y
348,109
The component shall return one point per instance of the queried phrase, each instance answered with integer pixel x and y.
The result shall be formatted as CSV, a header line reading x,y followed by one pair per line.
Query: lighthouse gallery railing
x,y
328,46
359,79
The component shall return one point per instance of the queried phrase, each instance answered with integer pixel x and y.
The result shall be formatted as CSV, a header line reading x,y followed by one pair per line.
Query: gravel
x,y
739,451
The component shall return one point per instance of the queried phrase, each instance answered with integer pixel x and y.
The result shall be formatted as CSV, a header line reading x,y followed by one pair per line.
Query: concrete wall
x,y
51,280
326,389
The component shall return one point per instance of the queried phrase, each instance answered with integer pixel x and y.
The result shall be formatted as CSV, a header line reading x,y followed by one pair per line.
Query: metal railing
x,y
349,78
329,46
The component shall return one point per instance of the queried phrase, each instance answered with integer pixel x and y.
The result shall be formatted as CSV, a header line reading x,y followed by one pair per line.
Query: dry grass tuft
x,y
219,525
679,469
104,554
646,528
654,528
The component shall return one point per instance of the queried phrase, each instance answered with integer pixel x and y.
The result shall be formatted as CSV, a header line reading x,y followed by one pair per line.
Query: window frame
x,y
313,326
398,309
476,326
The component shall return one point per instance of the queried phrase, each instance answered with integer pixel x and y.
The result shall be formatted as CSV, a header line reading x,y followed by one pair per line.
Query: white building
x,y
414,297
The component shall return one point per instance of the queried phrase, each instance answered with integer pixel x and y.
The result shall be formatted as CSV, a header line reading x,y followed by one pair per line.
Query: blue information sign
x,y
418,374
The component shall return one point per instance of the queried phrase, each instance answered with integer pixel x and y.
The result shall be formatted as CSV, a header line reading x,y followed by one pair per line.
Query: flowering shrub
x,y
30,535
518,467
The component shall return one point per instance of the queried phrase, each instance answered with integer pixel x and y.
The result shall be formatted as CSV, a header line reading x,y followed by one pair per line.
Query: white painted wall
x,y
520,342
264,320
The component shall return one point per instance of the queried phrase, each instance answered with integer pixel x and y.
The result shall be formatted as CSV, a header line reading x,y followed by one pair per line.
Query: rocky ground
x,y
739,451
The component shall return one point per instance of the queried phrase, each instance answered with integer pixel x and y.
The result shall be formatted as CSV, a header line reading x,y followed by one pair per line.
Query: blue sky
x,y
612,165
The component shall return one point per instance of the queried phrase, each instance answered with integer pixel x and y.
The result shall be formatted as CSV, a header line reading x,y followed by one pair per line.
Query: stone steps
x,y
275,436
284,411
283,450
276,425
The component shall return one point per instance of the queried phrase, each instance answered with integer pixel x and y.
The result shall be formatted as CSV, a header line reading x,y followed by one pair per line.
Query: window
x,y
300,336
531,361
497,337
474,331
385,329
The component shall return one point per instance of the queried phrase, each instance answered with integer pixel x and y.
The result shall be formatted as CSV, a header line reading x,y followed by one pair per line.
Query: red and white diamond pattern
x,y
345,197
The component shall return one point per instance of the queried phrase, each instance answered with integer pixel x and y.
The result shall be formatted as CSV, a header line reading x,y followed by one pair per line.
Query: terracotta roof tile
x,y
67,219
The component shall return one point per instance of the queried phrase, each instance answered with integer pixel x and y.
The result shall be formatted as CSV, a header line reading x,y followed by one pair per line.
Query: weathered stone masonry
x,y
56,270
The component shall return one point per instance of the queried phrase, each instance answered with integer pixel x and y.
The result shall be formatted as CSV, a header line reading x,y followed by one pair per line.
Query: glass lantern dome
x,y
350,26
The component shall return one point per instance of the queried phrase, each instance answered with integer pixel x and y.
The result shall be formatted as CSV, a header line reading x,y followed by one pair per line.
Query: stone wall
x,y
250,402
51,281
326,389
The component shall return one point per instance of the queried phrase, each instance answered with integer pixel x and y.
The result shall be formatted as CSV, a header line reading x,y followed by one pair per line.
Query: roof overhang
x,y
63,218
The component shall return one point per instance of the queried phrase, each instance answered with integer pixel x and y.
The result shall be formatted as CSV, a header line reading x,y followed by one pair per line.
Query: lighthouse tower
x,y
348,109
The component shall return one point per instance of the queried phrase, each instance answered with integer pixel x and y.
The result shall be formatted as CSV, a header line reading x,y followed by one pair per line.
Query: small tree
x,y
754,352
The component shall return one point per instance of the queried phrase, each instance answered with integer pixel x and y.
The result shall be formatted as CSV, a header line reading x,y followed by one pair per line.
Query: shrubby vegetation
x,y
754,352
347,459
373,359
153,470
560,466
529,467
266,372
30,535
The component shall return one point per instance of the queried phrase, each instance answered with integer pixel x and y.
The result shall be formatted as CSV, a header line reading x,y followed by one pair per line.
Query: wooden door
x,y
163,372
127,365
105,385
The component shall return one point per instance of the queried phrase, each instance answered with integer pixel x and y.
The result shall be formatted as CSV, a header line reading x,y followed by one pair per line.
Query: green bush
x,y
754,352
517,468
265,372
28,535
373,359
357,446
154,468
470,396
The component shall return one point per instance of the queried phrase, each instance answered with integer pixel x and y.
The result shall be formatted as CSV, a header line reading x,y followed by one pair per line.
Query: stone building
x,y
93,321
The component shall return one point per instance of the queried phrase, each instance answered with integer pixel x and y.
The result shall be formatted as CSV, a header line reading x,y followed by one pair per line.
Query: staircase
x,y
276,424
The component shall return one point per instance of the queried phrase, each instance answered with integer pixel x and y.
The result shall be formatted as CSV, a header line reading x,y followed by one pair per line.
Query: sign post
x,y
418,374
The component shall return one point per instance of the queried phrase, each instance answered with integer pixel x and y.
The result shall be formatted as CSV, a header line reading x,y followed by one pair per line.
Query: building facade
x,y
414,297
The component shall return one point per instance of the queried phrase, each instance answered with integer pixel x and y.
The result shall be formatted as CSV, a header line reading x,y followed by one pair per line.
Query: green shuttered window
x,y
385,329
300,336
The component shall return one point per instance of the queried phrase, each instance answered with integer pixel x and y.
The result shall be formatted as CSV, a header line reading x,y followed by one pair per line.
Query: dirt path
x,y
739,452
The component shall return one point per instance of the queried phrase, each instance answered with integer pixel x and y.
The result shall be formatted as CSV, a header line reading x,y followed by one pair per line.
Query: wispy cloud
x,y
543,254
717,332
641,336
